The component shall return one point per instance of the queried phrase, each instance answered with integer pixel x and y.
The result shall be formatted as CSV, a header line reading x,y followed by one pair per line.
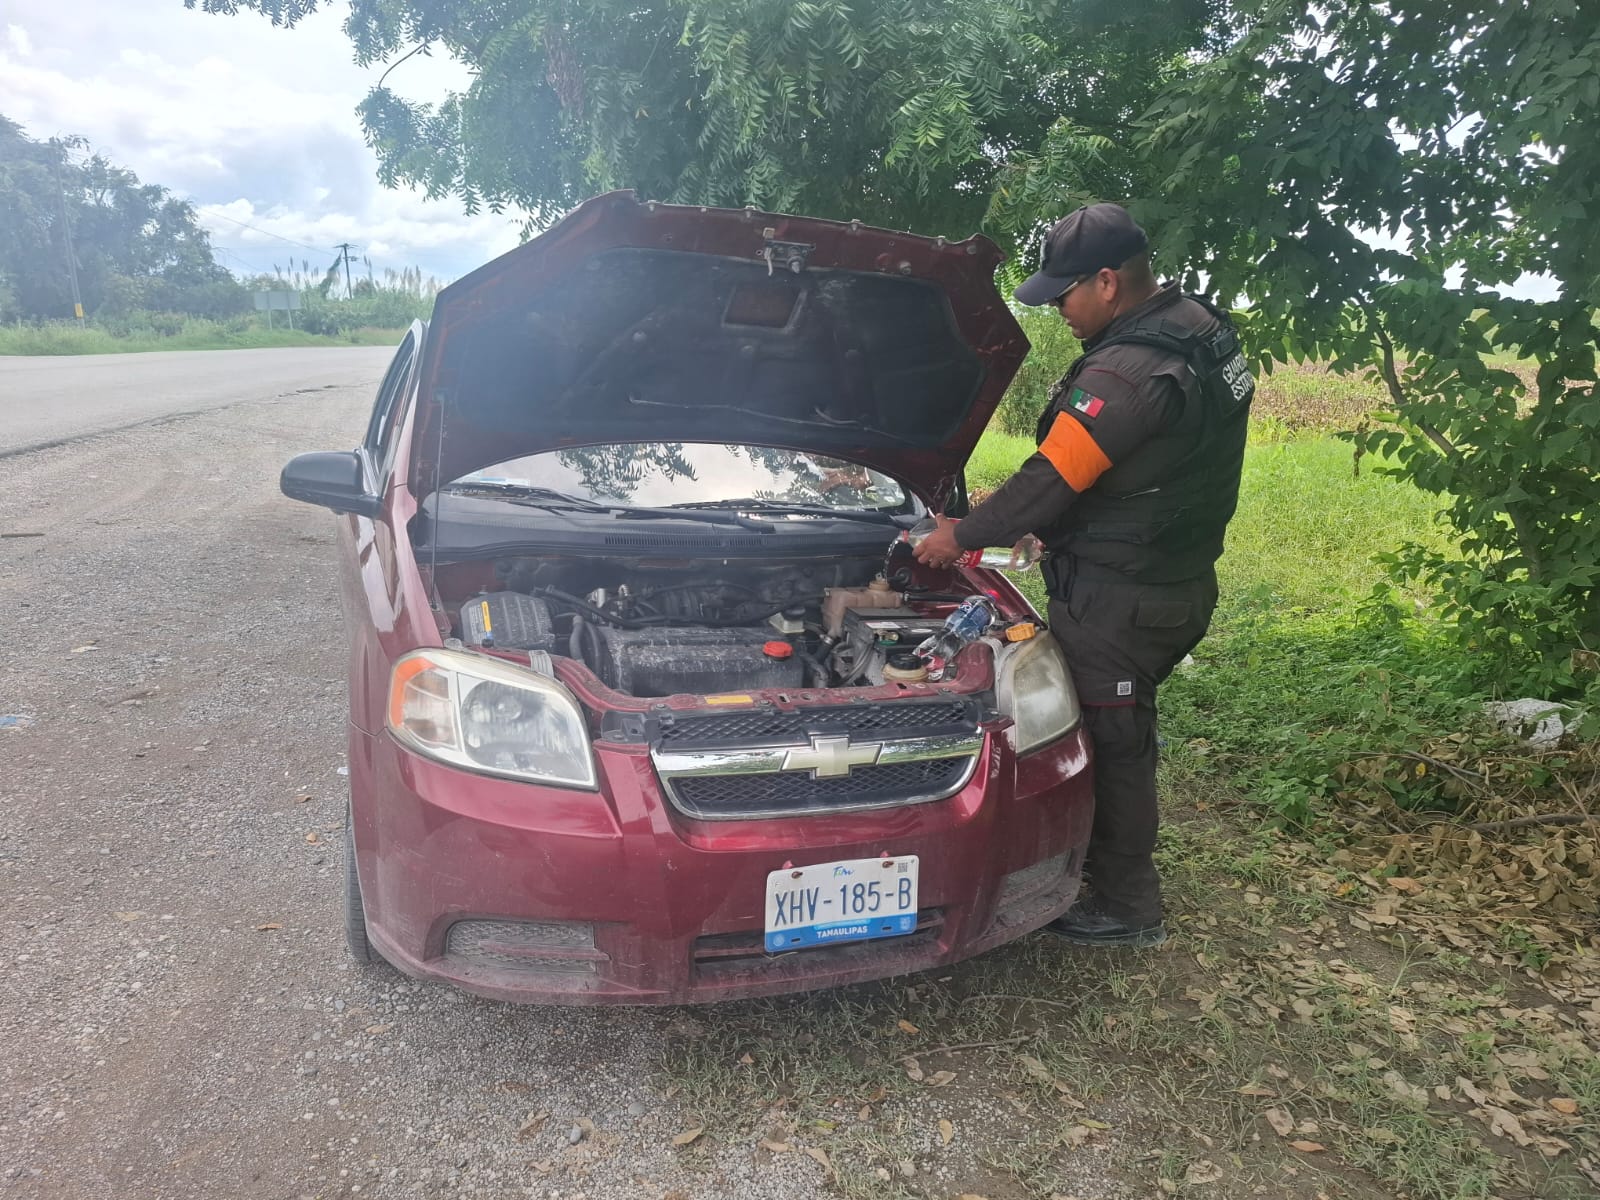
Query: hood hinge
x,y
784,254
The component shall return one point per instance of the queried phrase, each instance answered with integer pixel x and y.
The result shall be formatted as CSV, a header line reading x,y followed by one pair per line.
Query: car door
x,y
367,544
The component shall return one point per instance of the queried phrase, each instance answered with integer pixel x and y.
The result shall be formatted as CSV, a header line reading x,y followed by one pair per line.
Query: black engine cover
x,y
661,662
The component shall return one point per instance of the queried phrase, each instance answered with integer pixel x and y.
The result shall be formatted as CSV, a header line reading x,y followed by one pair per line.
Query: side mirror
x,y
331,479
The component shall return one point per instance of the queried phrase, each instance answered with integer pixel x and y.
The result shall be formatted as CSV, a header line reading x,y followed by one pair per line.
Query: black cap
x,y
1081,243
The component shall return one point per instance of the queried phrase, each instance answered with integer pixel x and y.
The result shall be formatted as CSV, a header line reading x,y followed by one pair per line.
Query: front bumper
x,y
544,895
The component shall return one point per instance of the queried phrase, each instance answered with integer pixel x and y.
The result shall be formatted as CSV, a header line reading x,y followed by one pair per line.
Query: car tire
x,y
355,913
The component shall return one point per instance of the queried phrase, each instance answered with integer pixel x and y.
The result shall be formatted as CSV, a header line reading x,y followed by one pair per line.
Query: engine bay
x,y
650,629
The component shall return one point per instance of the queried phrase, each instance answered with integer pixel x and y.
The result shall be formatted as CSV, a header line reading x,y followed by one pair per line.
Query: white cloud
x,y
251,122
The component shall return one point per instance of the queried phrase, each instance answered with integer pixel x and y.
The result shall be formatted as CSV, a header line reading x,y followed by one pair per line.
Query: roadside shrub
x,y
1054,349
379,308
1290,704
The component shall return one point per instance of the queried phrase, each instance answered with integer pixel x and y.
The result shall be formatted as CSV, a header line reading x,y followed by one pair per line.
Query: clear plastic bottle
x,y
961,628
1016,559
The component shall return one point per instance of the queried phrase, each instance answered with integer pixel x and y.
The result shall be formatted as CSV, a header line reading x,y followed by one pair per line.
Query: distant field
x,y
203,335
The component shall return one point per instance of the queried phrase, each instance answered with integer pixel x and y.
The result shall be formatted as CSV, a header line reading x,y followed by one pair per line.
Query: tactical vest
x,y
1171,531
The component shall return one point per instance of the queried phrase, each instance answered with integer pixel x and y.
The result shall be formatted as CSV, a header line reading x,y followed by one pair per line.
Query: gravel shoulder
x,y
181,1017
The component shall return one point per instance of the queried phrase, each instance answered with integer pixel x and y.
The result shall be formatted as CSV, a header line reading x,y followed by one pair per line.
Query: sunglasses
x,y
1076,283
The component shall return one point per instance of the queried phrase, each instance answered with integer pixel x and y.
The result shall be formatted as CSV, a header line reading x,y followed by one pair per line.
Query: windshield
x,y
657,474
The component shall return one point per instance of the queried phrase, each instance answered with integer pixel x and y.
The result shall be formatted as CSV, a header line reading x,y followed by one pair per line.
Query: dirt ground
x,y
182,1021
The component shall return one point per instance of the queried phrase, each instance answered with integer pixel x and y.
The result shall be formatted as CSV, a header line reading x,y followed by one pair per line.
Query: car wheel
x,y
355,914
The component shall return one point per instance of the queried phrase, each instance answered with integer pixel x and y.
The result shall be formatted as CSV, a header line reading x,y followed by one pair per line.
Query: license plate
x,y
850,901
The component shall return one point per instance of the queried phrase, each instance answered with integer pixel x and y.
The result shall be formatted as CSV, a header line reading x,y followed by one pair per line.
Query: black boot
x,y
1087,923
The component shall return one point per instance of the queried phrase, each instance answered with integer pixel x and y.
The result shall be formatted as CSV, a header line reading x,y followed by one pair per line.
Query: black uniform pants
x,y
1121,640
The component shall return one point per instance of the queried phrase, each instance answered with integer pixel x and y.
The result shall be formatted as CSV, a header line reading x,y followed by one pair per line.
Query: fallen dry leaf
x,y
746,1060
906,1026
127,916
513,1085
1563,1105
1504,1123
312,838
1255,1089
864,1113
267,926
377,1030
971,1196
776,1147
1204,1171
85,648
1282,1123
1093,1124
1308,1147
940,1078
533,1124
947,1132
542,1165
302,797
688,1135
913,1070
820,1156
1403,883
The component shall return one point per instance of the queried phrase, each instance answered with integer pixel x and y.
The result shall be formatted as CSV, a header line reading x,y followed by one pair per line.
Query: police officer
x,y
1135,478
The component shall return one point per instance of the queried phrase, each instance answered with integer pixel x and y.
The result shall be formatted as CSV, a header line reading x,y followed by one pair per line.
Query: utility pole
x,y
66,226
344,251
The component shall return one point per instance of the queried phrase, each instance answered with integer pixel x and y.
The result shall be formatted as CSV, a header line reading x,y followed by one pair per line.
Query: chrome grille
x,y
834,773
773,725
794,792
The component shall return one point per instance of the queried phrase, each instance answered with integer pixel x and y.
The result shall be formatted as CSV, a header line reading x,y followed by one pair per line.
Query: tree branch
x,y
417,49
1397,393
932,1050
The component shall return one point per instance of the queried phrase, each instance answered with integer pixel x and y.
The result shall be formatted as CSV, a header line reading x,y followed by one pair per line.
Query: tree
x,y
1370,177
928,115
135,245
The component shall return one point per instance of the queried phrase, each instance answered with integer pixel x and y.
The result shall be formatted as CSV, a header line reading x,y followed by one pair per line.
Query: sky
x,y
255,125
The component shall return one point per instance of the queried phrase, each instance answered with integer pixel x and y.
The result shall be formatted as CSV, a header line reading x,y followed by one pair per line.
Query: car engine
x,y
658,632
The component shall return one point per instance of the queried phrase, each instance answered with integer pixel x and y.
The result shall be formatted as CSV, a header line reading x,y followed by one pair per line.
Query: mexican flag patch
x,y
1088,405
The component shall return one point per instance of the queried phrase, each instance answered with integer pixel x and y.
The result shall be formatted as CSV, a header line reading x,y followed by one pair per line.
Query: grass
x,y
1307,524
1270,1020
1321,1024
68,338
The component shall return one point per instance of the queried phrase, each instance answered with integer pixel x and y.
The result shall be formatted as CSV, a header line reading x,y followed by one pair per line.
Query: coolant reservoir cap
x,y
776,649
904,660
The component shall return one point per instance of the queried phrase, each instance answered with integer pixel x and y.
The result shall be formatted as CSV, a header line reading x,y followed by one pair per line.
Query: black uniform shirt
x,y
1122,399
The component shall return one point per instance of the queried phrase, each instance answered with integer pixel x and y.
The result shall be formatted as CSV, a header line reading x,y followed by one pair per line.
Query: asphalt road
x,y
46,400
178,1013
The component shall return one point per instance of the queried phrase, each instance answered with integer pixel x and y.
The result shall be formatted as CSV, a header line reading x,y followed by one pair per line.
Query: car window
x,y
652,474
380,428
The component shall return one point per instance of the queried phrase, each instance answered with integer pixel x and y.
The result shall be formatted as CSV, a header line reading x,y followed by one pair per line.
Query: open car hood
x,y
634,321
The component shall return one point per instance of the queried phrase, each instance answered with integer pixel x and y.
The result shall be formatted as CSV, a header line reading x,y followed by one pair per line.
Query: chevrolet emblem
x,y
831,757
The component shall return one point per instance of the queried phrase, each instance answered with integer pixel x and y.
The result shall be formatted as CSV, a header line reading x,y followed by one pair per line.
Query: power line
x,y
258,229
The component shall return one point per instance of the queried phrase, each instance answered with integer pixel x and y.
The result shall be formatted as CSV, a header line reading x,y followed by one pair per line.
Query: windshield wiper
x,y
528,494
532,496
695,513
752,504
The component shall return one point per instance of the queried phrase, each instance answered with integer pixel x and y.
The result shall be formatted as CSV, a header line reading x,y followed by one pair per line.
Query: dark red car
x,y
630,719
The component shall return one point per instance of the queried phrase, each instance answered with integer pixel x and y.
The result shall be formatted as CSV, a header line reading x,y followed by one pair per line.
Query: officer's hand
x,y
939,548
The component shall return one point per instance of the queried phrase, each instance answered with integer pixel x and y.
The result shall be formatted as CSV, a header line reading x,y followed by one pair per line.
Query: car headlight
x,y
490,717
1034,689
